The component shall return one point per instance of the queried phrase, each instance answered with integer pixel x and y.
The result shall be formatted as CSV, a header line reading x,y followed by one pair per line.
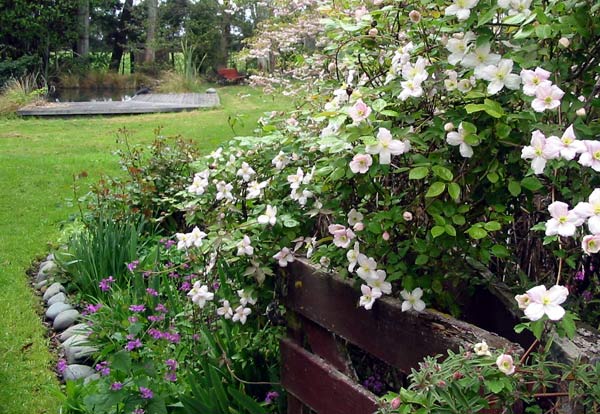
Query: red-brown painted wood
x,y
402,339
319,385
324,344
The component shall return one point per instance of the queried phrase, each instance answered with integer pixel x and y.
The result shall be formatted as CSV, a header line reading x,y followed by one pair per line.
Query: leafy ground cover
x,y
38,159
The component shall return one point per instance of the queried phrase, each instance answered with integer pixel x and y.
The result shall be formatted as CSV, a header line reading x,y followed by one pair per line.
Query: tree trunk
x,y
120,37
83,28
149,52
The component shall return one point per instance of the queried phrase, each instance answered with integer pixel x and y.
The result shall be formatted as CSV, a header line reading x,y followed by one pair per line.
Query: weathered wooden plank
x,y
402,339
324,344
319,385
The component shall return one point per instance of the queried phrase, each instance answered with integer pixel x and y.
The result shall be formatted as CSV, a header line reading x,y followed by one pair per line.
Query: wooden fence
x,y
323,314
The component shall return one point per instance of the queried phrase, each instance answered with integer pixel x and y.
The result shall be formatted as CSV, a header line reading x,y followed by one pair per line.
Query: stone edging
x,y
62,318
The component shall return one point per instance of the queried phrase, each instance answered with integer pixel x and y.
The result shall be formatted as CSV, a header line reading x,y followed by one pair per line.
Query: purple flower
x,y
168,243
196,337
174,275
185,286
132,319
587,295
103,368
155,333
271,396
171,376
116,386
151,292
105,284
172,337
216,286
161,308
61,366
146,393
157,318
171,364
133,265
137,308
89,309
131,345
138,411
146,274
580,276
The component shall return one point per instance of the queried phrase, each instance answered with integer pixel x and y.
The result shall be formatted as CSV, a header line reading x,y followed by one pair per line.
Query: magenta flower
x,y
161,308
105,283
146,393
61,366
155,333
89,309
116,386
132,319
271,396
138,411
137,308
133,265
171,376
171,364
103,368
131,345
156,318
151,292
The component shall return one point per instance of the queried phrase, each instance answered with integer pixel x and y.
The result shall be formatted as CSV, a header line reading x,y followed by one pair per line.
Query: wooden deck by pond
x,y
139,104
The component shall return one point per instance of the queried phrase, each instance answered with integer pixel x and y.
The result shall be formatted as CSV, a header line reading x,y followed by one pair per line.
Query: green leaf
x,y
531,183
378,105
493,177
454,191
450,230
493,108
459,220
121,361
246,402
418,173
521,327
437,231
469,127
472,139
486,17
503,130
492,226
537,328
389,112
421,259
567,323
514,188
472,108
543,31
436,189
443,172
500,251
495,386
477,233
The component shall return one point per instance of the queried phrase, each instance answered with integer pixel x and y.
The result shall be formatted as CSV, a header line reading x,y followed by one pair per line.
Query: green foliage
x,y
101,249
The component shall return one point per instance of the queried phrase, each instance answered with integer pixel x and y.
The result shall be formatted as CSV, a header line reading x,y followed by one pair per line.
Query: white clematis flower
x,y
564,222
241,314
458,138
369,296
270,216
386,146
546,302
461,9
412,300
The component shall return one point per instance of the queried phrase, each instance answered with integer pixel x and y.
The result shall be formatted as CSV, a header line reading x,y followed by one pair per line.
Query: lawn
x,y
38,159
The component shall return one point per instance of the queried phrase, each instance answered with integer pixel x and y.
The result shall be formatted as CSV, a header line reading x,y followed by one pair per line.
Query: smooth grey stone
x,y
93,377
41,276
211,90
40,284
50,257
77,371
48,267
80,354
57,308
59,297
75,341
80,328
65,319
53,290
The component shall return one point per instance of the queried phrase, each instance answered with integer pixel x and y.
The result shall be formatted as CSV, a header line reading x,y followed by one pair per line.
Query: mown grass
x,y
38,158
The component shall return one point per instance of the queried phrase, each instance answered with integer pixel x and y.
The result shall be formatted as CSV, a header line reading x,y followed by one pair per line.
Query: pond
x,y
90,95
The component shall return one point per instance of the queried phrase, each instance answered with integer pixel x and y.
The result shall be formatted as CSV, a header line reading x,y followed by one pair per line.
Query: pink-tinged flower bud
x,y
580,112
444,40
359,226
373,32
457,375
407,216
449,127
564,42
331,67
395,404
414,16
385,236
581,98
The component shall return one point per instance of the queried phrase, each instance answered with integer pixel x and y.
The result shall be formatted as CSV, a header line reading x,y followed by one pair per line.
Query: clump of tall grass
x,y
20,92
102,248
174,82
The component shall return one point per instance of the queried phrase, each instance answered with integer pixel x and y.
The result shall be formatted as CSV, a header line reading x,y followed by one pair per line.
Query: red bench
x,y
230,75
